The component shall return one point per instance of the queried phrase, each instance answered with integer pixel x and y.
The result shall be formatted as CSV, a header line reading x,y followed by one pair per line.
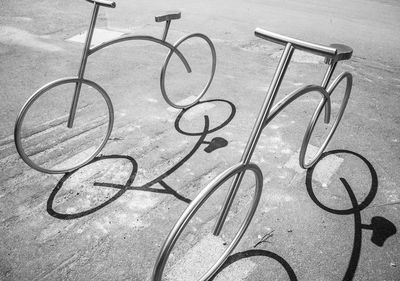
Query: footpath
x,y
109,219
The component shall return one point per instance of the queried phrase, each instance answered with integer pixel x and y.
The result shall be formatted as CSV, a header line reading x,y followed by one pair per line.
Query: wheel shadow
x,y
211,145
258,253
381,228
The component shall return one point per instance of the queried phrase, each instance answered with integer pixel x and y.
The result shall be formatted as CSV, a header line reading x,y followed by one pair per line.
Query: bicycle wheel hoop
x,y
42,137
306,140
183,97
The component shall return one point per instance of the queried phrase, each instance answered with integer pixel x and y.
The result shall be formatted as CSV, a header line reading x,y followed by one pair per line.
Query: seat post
x,y
167,17
166,28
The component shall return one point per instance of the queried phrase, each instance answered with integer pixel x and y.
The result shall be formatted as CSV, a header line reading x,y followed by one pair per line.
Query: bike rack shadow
x,y
381,228
261,253
212,145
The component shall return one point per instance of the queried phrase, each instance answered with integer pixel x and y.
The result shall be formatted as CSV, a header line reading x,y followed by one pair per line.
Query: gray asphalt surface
x,y
108,220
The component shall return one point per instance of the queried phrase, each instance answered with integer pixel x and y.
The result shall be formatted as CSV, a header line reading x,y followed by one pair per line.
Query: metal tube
x,y
167,24
324,84
292,97
267,105
82,67
148,38
233,189
313,121
320,50
256,132
196,204
328,75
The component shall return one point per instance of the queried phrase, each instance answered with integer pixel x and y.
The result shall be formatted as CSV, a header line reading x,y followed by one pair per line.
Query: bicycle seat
x,y
104,3
344,52
170,15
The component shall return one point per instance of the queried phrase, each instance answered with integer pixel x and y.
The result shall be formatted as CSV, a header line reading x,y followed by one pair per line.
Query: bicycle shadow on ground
x,y
212,145
382,229
258,253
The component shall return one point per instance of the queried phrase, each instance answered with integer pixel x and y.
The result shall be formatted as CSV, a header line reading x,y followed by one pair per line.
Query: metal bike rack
x,y
79,80
332,55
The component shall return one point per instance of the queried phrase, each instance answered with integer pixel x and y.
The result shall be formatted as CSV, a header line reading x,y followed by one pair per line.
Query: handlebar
x,y
104,3
320,50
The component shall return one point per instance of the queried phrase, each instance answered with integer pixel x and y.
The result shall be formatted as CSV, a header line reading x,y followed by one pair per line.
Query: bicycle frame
x,y
78,80
267,113
87,51
332,54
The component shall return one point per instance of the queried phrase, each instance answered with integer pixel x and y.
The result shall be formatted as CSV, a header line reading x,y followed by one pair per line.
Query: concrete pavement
x,y
108,220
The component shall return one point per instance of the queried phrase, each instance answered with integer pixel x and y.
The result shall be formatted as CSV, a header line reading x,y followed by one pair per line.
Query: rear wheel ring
x,y
310,128
168,58
31,101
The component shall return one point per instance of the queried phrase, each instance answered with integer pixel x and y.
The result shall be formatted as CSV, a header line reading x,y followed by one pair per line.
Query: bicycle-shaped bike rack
x,y
78,81
332,55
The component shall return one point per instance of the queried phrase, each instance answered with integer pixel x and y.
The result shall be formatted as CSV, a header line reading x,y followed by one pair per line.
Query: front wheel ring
x,y
195,205
38,94
167,59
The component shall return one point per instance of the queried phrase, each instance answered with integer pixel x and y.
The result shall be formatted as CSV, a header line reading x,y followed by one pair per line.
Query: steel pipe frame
x,y
167,59
311,124
79,80
178,228
87,51
38,94
267,113
256,132
82,66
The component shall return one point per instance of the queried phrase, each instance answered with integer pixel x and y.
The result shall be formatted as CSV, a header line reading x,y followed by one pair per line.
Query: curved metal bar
x,y
316,114
295,95
193,208
324,84
34,97
273,112
130,37
167,59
